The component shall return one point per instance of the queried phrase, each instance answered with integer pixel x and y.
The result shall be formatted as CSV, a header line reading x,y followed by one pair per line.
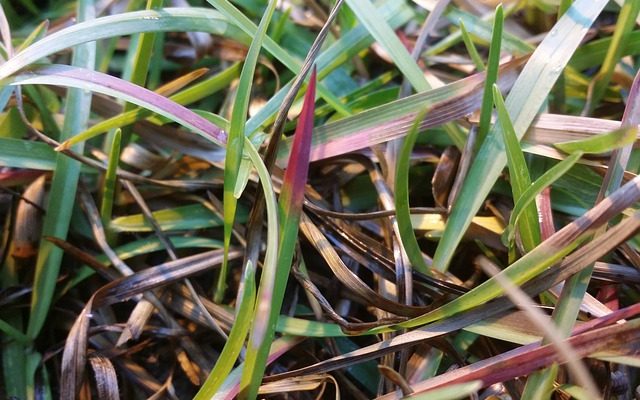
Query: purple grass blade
x,y
62,75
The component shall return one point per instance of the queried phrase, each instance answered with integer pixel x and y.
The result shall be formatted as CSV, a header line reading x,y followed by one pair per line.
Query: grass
x,y
364,199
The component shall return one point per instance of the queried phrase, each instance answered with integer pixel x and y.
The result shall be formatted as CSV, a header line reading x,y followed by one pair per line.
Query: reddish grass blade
x,y
273,283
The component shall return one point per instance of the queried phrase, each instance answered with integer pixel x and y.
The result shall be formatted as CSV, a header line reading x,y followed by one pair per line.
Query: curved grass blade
x,y
401,198
101,83
245,311
519,174
523,103
63,188
185,97
235,141
164,20
273,282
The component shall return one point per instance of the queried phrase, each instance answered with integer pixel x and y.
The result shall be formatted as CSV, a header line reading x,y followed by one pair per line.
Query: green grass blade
x,y
471,48
518,174
625,24
237,336
194,216
108,189
493,63
235,141
382,32
529,195
63,189
403,215
523,103
18,153
599,144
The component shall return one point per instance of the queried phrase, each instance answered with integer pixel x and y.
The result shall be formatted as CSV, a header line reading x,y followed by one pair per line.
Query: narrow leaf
x,y
274,282
235,141
519,174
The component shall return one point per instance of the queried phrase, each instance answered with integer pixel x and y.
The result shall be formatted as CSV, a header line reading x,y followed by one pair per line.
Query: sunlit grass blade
x,y
235,141
519,175
37,34
524,102
601,143
273,282
493,63
401,199
451,392
63,189
97,82
167,20
185,97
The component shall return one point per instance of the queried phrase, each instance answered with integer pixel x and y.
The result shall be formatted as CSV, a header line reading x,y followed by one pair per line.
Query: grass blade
x,y
601,143
519,174
493,63
273,283
401,198
235,141
528,196
63,189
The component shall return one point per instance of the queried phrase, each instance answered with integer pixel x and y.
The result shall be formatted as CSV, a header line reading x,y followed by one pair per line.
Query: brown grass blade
x,y
105,376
